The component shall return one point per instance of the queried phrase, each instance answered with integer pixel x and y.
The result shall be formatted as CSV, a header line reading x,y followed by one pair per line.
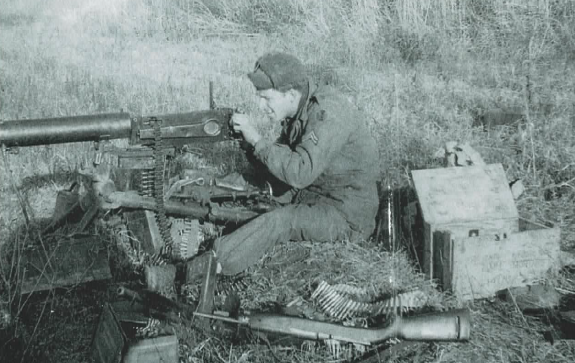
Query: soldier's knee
x,y
279,215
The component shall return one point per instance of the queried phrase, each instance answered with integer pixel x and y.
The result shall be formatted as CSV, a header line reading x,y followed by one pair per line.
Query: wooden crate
x,y
152,350
64,262
465,201
144,229
111,343
478,267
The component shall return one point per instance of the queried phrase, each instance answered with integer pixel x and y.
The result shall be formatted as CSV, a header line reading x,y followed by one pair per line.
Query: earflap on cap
x,y
260,80
277,70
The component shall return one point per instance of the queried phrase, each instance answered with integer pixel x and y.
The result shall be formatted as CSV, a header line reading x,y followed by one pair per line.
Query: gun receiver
x,y
177,129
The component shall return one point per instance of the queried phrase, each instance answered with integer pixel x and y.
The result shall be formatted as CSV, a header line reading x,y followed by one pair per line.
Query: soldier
x,y
326,156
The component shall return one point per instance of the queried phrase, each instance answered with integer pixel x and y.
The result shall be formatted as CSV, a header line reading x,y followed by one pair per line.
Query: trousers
x,y
295,222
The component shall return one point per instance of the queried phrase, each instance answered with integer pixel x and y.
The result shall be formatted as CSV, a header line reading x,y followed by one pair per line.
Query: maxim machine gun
x,y
143,184
162,216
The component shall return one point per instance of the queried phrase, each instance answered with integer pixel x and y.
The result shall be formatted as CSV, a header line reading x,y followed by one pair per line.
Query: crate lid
x,y
464,194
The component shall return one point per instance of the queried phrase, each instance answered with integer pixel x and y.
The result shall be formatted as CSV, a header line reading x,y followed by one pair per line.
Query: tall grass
x,y
419,69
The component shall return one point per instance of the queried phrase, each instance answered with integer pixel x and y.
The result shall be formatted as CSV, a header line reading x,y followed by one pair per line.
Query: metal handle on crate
x,y
499,237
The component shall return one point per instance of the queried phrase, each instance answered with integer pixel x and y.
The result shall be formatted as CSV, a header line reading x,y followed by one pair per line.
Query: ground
x,y
422,72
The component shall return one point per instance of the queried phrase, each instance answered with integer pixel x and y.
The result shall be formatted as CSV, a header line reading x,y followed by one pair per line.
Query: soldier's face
x,y
279,105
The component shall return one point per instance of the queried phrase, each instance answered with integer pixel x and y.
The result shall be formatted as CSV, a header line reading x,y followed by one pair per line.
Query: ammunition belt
x,y
161,218
186,236
151,330
224,286
147,183
228,285
339,301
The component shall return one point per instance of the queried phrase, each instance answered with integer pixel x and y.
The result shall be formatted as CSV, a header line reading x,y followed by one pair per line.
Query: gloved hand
x,y
242,123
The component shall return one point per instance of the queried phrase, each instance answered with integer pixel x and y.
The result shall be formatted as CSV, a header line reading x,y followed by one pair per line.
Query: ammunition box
x,y
475,241
112,345
64,262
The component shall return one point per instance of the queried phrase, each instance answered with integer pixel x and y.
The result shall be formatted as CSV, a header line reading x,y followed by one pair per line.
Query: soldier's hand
x,y
242,123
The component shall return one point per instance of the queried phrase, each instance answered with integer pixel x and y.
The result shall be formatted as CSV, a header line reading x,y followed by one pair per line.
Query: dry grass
x,y
294,271
418,69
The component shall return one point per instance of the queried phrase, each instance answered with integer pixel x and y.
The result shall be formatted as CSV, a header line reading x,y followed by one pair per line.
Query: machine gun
x,y
209,125
138,181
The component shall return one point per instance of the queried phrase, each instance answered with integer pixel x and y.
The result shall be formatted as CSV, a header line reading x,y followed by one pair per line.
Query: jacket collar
x,y
305,101
295,126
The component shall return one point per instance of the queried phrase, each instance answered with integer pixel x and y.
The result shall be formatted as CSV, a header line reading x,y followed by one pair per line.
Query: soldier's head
x,y
279,79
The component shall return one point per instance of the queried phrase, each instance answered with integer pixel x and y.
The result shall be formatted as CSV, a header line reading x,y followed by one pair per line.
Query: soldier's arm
x,y
260,174
324,137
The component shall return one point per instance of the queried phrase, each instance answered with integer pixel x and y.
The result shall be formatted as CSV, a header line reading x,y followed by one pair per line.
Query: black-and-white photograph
x,y
234,181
